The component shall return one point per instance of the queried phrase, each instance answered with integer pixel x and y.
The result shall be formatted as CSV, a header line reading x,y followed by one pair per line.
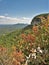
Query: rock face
x,y
39,18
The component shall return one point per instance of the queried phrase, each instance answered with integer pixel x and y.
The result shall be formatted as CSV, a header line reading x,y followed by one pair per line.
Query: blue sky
x,y
21,11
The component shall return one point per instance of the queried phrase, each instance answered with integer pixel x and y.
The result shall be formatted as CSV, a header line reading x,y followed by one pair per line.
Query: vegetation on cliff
x,y
26,47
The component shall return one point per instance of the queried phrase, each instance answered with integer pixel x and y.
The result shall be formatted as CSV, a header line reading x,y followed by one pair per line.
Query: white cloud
x,y
2,17
11,20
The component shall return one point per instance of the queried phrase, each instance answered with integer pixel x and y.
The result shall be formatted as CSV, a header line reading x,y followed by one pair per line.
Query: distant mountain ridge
x,y
9,28
11,25
36,20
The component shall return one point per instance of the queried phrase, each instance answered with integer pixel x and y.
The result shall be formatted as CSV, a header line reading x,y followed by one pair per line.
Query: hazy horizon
x,y
16,11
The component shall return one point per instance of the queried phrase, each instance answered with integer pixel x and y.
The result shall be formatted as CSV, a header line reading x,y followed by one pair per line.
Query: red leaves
x,y
3,49
28,38
35,29
18,57
15,62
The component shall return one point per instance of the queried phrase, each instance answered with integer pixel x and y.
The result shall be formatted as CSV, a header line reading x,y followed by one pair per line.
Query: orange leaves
x,y
15,62
29,38
3,49
29,41
14,48
23,35
18,57
26,43
46,24
48,18
35,29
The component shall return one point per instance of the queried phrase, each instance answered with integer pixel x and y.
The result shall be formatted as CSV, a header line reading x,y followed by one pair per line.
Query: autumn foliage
x,y
31,48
